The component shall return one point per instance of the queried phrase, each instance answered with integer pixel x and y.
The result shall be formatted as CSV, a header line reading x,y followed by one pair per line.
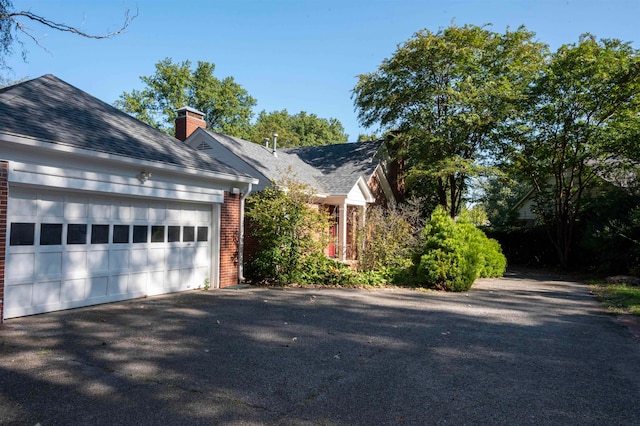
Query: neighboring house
x,y
610,173
96,206
345,177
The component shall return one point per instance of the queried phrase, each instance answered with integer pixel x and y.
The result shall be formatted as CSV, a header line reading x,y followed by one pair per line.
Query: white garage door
x,y
67,250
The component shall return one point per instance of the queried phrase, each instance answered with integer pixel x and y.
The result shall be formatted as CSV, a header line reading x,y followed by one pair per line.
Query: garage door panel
x,y
157,213
203,214
51,206
201,256
138,283
172,280
22,266
187,277
121,211
188,215
49,265
187,257
157,258
82,264
174,214
98,260
73,290
100,210
97,287
139,259
201,274
173,257
118,284
119,260
75,210
23,205
155,284
16,296
46,293
76,263
141,212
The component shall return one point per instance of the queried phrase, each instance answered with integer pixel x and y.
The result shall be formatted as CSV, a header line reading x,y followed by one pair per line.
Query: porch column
x,y
363,213
342,233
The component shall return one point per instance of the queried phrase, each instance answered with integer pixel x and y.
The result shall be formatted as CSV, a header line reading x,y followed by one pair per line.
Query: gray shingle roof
x,y
50,110
273,167
340,165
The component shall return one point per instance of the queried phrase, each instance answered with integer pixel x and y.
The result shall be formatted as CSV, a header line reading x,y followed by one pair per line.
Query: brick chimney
x,y
187,121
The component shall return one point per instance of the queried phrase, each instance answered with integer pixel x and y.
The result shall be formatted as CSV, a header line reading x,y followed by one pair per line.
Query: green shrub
x,y
456,254
319,269
443,263
492,263
290,234
377,278
389,237
495,263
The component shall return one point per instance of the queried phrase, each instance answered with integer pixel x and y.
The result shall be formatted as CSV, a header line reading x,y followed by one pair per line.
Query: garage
x,y
67,251
97,207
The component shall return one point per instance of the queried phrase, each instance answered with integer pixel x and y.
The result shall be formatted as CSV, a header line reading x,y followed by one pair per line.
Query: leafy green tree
x,y
610,244
362,137
583,112
299,129
228,107
500,194
13,23
444,95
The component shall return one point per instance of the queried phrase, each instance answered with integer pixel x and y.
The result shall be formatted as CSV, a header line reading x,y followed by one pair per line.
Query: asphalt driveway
x,y
525,349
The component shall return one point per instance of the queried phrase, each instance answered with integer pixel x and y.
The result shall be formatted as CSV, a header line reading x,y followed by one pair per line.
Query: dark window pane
x,y
99,234
140,233
121,234
77,233
50,234
22,234
174,234
188,233
203,233
157,234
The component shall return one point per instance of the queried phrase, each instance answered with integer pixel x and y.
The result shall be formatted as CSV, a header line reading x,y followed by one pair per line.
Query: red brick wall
x,y
229,239
4,195
375,186
250,243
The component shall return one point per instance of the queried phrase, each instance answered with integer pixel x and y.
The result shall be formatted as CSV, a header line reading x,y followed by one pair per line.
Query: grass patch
x,y
619,298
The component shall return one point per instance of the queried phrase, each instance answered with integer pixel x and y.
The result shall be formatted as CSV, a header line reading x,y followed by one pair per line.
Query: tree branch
x,y
14,16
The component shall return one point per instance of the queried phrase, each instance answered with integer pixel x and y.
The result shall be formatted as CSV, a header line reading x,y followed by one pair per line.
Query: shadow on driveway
x,y
525,349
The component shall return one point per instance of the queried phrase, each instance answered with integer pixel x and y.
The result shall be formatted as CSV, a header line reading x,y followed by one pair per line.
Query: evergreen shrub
x,y
454,254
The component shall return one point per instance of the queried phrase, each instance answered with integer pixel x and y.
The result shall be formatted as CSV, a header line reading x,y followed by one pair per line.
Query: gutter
x,y
27,141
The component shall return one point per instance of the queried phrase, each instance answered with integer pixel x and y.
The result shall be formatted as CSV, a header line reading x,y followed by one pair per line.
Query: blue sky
x,y
302,55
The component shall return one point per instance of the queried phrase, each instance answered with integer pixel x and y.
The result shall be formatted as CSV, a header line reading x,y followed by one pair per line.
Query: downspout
x,y
241,277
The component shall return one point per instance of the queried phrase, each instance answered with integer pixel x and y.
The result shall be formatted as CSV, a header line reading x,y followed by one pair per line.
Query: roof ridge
x,y
243,141
332,145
